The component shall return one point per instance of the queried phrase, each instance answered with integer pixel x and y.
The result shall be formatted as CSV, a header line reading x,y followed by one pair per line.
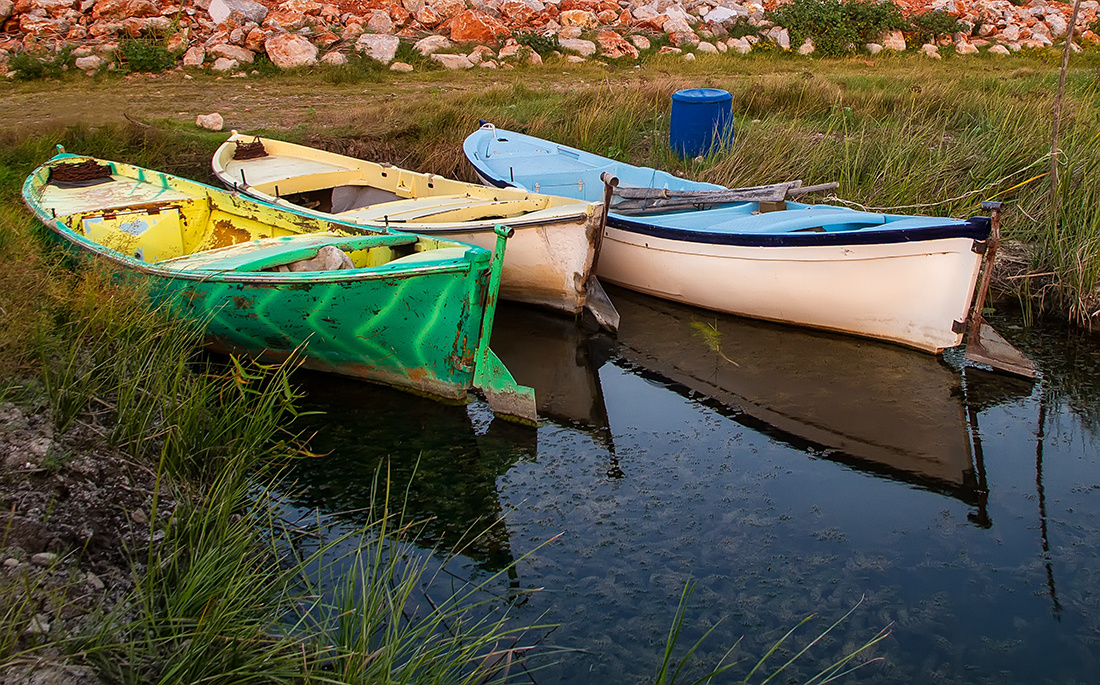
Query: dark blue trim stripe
x,y
976,228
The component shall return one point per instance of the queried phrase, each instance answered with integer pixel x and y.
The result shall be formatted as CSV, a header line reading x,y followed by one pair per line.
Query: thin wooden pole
x,y
1058,111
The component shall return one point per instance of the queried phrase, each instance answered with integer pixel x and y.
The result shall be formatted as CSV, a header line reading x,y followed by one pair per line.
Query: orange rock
x,y
474,27
615,46
428,17
576,17
117,10
608,16
516,11
287,19
400,15
448,9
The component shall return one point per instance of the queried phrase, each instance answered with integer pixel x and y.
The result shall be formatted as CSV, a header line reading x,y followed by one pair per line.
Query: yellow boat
x,y
550,261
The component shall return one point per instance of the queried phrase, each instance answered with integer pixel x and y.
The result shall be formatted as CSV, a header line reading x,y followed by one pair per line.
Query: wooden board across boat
x,y
549,261
406,310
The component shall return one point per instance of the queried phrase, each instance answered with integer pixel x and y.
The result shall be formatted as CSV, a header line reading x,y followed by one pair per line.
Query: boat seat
x,y
400,211
268,253
582,184
430,256
147,236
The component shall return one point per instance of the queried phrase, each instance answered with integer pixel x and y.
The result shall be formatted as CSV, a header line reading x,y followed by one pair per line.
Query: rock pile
x,y
228,35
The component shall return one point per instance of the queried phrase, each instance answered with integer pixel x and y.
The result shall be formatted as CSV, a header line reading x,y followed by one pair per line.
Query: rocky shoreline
x,y
228,35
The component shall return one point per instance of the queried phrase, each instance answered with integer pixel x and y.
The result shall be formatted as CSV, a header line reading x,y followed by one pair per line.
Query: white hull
x,y
910,293
546,264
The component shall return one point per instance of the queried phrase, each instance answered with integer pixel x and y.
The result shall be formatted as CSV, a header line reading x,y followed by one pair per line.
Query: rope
x,y
88,170
834,198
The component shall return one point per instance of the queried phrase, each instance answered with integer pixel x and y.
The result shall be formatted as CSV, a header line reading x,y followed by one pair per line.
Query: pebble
x,y
39,625
44,559
93,580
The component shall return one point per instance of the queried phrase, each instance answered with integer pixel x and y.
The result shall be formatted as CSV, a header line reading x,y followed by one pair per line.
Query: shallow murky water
x,y
786,472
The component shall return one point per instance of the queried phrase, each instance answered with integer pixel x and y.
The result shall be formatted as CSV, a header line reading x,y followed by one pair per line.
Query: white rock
x,y
220,10
570,32
807,47
689,57
335,59
930,50
706,48
721,45
584,48
382,48
574,59
780,37
90,64
722,14
194,57
965,48
401,67
290,51
426,46
1011,33
740,45
234,52
6,9
211,122
453,62
873,48
489,64
225,64
677,12
676,25
641,42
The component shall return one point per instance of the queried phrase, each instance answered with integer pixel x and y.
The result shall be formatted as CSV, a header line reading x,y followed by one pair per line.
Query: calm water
x,y
788,473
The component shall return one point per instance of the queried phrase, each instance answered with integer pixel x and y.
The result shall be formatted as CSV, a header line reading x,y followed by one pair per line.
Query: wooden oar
x,y
640,200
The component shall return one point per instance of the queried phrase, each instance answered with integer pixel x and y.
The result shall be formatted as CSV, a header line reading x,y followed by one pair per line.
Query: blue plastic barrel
x,y
702,118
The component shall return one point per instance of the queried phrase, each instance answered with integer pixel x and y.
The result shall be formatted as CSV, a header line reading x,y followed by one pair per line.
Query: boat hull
x,y
409,332
911,293
546,264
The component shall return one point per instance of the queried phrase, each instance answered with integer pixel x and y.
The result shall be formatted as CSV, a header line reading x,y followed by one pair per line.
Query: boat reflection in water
x,y
444,461
442,473
875,407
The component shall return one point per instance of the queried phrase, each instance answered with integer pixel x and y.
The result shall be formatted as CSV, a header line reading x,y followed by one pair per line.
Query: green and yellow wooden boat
x,y
395,308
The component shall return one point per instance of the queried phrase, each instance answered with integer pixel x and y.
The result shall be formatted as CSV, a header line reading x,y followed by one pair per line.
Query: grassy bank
x,y
896,131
